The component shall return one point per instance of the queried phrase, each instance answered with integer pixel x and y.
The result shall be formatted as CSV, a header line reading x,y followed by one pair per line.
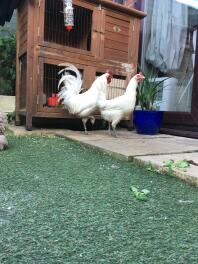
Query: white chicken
x,y
114,110
81,104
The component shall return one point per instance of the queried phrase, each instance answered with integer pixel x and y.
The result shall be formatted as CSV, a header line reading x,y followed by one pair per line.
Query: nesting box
x,y
105,35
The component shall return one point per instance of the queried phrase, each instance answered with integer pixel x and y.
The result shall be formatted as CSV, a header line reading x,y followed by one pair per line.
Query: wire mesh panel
x,y
55,31
50,85
117,86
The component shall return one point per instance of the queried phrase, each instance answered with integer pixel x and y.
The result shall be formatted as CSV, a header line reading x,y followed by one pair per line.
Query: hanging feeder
x,y
68,14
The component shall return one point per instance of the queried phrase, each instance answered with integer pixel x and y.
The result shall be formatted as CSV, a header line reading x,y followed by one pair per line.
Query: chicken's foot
x,y
114,132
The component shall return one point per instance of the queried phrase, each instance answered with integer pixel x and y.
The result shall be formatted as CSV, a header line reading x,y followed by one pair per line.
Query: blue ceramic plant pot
x,y
148,122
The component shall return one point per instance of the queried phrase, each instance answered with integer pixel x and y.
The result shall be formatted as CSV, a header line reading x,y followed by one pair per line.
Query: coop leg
x,y
17,120
129,124
28,124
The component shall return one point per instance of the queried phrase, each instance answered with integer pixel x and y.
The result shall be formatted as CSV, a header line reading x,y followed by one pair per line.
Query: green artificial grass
x,y
61,202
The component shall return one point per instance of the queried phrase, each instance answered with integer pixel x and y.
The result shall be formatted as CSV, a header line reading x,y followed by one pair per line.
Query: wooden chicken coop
x,y
105,35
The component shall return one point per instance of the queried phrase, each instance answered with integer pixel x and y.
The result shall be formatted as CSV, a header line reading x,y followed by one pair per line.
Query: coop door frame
x,y
96,23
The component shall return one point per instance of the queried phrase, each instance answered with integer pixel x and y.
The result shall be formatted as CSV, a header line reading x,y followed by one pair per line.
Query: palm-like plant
x,y
148,91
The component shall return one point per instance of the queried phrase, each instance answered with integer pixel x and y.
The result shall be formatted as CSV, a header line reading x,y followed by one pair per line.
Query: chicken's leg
x,y
109,129
84,120
92,119
114,132
114,124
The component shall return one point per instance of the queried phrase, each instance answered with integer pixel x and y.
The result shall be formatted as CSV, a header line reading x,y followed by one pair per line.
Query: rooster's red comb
x,y
109,71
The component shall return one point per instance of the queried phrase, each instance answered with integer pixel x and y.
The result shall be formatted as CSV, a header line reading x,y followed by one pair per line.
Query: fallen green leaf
x,y
140,195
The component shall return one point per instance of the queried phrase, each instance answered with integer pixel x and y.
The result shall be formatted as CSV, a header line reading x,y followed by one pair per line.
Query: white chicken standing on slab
x,y
114,110
81,104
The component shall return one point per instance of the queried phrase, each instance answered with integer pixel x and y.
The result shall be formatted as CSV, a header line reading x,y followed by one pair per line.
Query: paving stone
x,y
158,161
7,103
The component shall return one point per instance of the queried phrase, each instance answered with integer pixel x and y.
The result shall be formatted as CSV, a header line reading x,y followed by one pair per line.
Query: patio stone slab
x,y
131,145
127,144
7,103
190,174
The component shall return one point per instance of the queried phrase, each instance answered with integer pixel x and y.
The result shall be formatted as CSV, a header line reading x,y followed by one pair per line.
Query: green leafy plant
x,y
148,91
140,195
7,62
11,117
150,167
180,164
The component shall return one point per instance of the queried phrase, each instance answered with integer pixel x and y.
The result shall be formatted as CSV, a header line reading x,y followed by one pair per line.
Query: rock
x,y
3,142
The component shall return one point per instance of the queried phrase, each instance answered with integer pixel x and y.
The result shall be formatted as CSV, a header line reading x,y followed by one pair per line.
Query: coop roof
x,y
6,10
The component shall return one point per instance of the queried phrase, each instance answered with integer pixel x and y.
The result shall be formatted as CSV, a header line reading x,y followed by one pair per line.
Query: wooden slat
x,y
84,4
22,22
134,41
102,22
110,27
17,89
115,55
117,21
95,44
115,45
22,38
30,55
116,37
121,8
22,27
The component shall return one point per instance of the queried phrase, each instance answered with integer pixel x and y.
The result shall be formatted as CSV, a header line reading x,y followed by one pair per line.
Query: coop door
x,y
116,43
55,31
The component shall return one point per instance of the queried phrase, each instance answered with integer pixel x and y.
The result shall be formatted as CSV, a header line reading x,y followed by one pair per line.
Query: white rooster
x,y
114,110
81,104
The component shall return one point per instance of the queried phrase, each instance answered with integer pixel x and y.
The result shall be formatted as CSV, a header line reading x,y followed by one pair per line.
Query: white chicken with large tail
x,y
114,110
81,104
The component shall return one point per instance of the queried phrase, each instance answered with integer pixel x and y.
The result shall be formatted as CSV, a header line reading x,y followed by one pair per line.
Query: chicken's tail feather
x,y
70,83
